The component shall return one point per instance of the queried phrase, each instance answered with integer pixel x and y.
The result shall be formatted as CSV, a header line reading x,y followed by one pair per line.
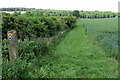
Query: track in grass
x,y
79,58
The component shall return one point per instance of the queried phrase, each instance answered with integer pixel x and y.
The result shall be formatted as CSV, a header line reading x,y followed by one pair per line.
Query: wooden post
x,y
13,45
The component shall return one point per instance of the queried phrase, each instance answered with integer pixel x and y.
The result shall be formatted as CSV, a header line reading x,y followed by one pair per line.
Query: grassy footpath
x,y
80,58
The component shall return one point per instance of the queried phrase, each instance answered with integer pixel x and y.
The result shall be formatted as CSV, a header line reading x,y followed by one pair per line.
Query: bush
x,y
39,47
5,48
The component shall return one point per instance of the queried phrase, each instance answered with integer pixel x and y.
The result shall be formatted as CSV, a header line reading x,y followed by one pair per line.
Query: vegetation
x,y
36,26
97,14
48,12
16,9
80,14
37,36
75,57
106,32
57,44
76,13
0,47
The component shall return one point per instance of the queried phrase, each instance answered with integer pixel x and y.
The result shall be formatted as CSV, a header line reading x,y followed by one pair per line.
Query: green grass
x,y
78,58
105,31
101,25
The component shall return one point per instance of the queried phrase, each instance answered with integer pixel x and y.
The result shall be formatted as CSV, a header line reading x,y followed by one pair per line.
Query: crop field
x,y
102,25
105,31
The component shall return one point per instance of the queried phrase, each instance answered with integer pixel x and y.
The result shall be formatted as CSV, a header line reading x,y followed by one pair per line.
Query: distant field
x,y
105,31
13,12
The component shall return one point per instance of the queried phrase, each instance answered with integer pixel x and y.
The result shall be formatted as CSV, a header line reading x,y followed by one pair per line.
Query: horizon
x,y
85,5
58,9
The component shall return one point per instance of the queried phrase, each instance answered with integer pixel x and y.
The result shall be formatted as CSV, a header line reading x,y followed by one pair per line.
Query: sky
x,y
87,5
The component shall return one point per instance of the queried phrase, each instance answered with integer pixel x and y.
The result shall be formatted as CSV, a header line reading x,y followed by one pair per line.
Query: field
x,y
101,25
11,12
106,32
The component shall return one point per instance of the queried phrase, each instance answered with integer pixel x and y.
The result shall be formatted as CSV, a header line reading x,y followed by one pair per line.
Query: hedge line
x,y
36,26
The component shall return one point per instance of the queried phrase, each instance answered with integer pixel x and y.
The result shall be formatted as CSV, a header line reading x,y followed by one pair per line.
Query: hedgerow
x,y
37,26
37,37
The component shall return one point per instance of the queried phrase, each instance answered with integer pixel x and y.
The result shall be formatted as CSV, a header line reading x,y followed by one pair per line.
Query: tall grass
x,y
35,57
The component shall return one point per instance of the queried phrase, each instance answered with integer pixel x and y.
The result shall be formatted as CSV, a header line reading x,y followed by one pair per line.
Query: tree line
x,y
77,13
97,14
16,9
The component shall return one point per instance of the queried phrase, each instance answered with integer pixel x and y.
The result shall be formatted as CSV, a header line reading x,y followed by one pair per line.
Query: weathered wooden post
x,y
13,45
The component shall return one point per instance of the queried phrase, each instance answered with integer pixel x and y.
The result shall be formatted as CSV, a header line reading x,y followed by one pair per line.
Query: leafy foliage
x,y
36,26
16,9
81,14
76,13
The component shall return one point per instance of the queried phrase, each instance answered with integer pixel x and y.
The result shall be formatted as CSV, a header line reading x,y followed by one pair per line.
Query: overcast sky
x,y
89,5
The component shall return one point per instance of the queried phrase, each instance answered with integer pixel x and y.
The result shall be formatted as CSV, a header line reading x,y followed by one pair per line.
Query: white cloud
x,y
101,5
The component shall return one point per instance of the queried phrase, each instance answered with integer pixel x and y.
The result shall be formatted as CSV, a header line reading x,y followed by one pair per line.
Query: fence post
x,y
13,45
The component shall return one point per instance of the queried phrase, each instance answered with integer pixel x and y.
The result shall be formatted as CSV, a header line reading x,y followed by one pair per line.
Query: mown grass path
x,y
79,58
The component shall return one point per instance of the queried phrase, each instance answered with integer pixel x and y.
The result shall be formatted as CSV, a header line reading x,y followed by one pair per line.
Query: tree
x,y
76,13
